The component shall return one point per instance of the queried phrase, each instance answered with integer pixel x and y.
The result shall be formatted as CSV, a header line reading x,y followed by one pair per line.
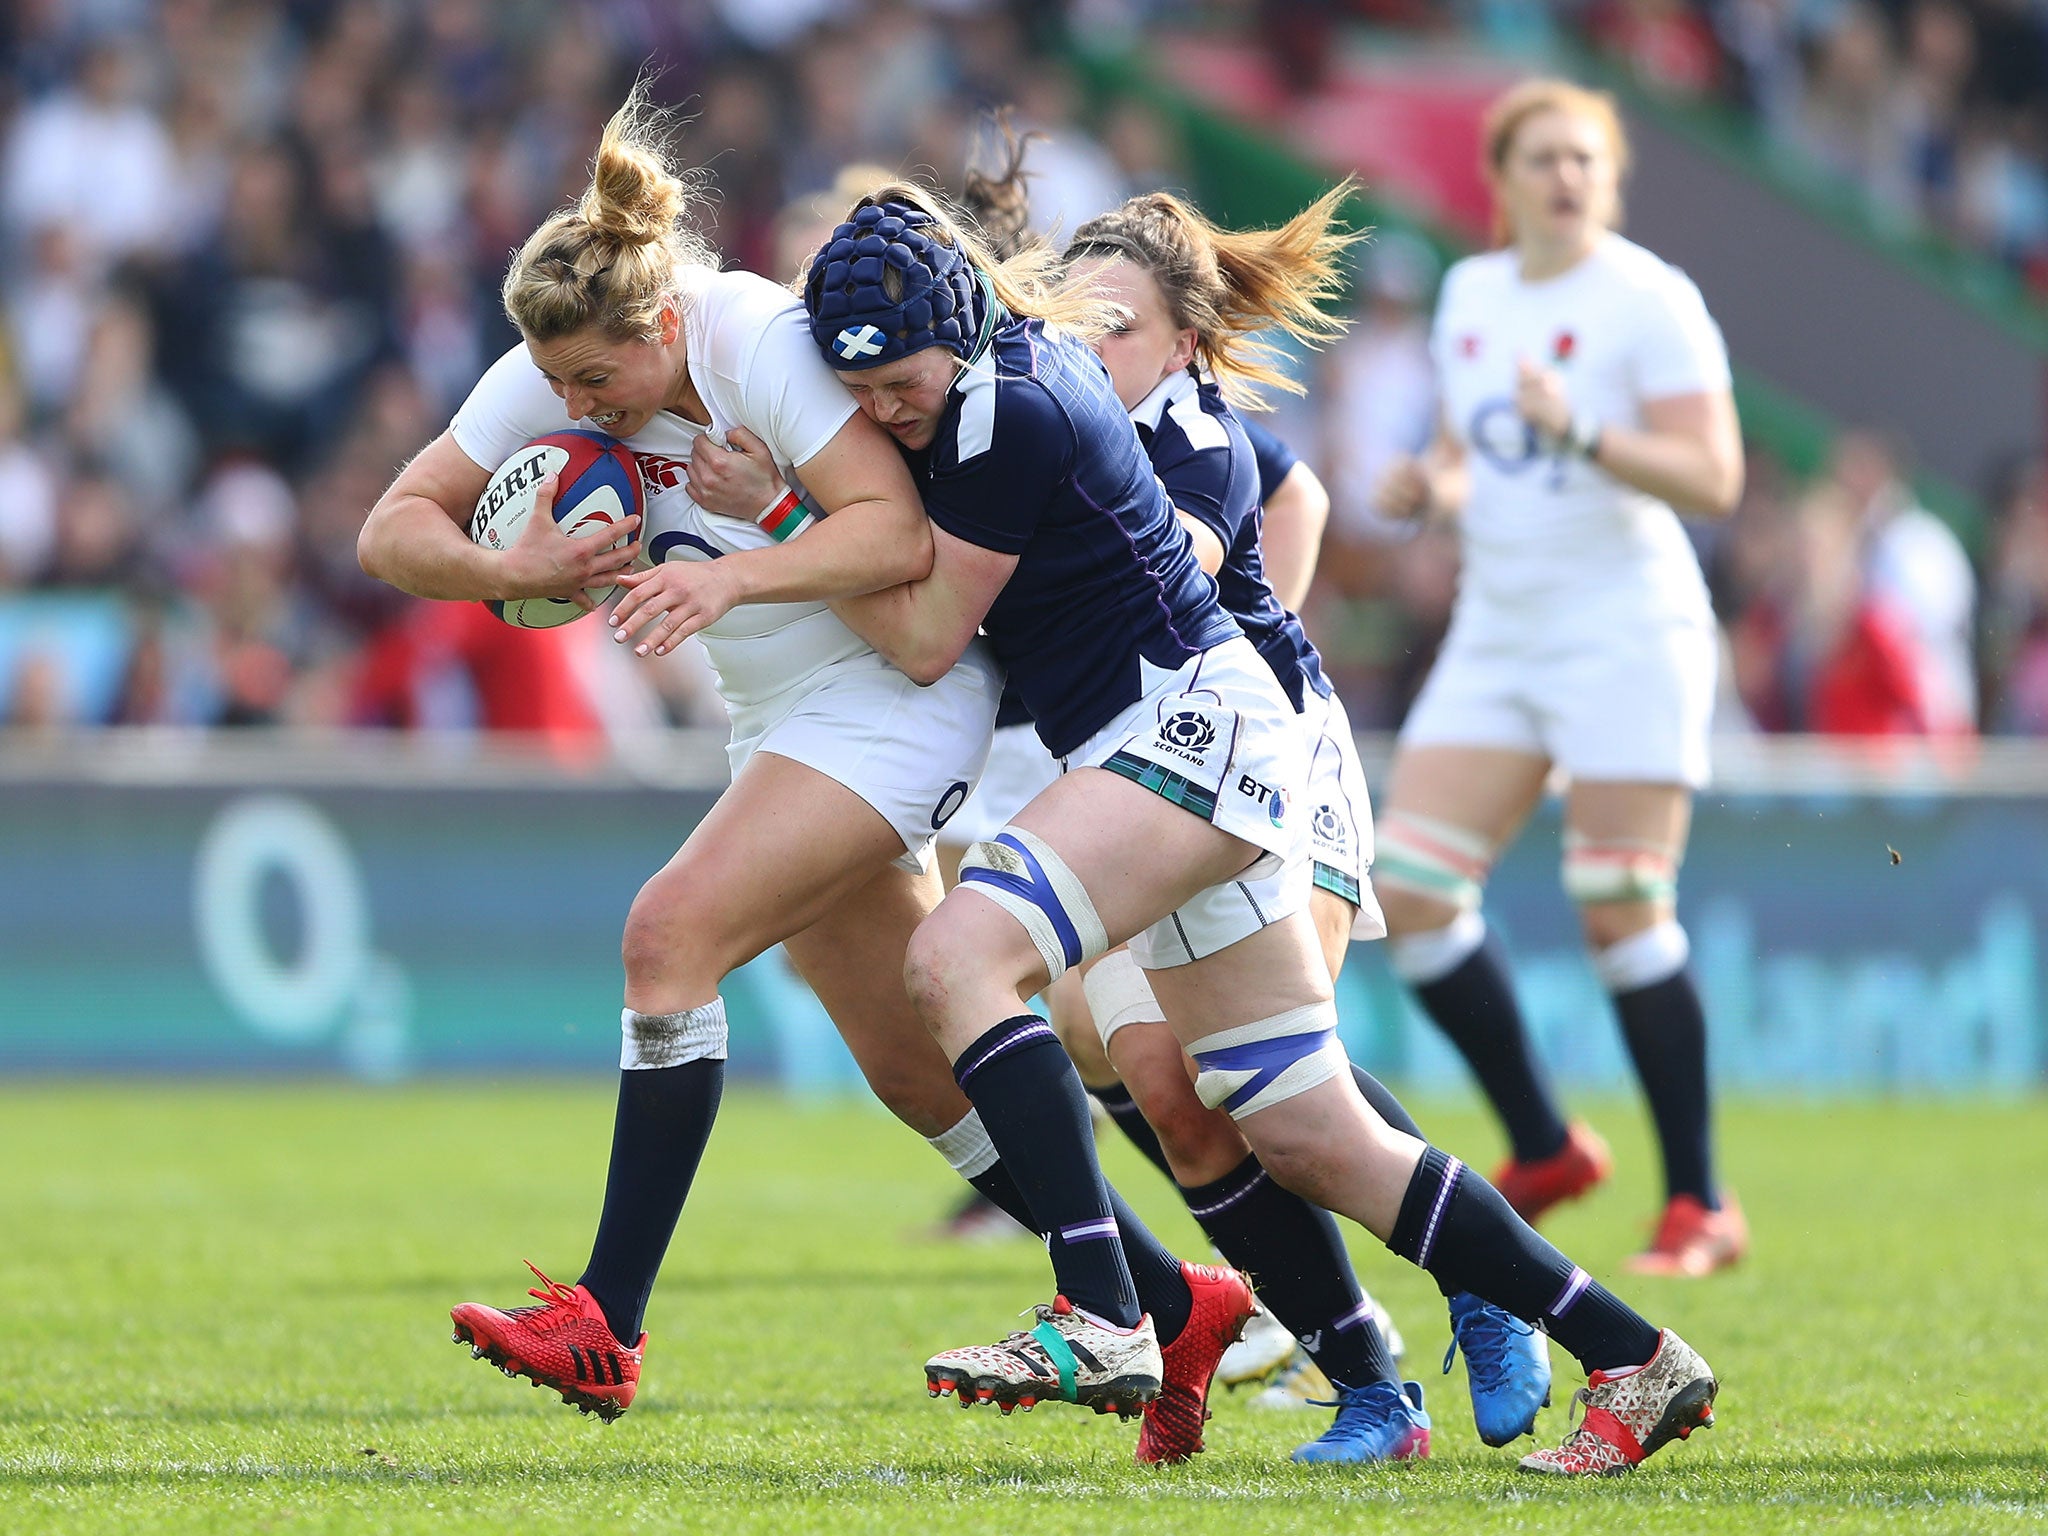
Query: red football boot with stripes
x,y
563,1344
1223,1304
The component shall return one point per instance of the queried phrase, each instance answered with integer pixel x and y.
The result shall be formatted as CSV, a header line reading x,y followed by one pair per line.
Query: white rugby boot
x,y
1063,1357
1630,1416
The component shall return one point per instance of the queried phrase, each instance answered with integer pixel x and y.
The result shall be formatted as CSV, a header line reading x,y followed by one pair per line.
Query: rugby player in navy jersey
x,y
1184,785
1192,298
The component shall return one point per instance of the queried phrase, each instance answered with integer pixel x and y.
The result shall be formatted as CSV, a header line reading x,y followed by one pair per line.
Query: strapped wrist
x,y
784,515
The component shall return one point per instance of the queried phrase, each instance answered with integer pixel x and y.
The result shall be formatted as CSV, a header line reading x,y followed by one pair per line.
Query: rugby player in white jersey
x,y
1585,397
842,767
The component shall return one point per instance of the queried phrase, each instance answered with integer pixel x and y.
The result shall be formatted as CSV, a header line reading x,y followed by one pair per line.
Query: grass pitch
x,y
227,1310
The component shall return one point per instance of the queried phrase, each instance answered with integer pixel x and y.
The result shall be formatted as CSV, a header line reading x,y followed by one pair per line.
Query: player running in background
x,y
842,767
1185,776
1585,395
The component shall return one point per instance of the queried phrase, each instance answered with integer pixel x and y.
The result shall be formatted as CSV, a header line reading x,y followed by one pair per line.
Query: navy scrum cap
x,y
855,322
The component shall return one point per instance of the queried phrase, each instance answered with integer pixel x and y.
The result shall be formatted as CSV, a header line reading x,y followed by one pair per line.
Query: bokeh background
x,y
258,812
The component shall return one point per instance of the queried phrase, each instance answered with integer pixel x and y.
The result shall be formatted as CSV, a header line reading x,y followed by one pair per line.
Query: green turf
x,y
227,1310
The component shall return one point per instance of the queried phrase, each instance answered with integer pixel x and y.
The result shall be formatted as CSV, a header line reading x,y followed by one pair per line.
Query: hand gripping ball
x,y
598,488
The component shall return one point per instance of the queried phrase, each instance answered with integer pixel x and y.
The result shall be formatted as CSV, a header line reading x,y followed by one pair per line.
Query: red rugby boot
x,y
1692,1240
1533,1188
1223,1303
563,1344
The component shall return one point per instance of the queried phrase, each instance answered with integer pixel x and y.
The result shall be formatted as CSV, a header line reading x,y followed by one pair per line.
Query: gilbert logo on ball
x,y
597,488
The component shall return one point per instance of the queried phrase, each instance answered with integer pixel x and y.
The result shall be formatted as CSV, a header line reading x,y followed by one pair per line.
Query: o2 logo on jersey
x,y
1188,730
1328,826
665,545
1500,436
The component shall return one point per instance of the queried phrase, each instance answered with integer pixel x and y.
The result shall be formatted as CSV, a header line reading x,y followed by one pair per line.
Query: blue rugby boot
x,y
1381,1422
1507,1363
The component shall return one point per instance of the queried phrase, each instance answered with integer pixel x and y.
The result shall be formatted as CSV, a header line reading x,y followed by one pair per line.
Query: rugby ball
x,y
598,488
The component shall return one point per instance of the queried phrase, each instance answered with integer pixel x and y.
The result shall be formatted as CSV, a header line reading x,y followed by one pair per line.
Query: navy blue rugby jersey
x,y
1202,456
1276,459
1036,458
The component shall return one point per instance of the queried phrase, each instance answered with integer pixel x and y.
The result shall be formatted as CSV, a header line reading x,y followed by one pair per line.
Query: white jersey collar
x,y
1168,393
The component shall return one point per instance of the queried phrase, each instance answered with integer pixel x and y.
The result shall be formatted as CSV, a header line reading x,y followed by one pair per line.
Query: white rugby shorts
x,y
1607,692
1019,769
912,753
1340,811
1218,738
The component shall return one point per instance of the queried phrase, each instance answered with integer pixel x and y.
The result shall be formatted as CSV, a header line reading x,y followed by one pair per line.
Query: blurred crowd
x,y
1937,109
252,250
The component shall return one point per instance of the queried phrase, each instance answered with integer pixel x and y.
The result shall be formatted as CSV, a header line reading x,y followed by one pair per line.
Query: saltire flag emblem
x,y
859,341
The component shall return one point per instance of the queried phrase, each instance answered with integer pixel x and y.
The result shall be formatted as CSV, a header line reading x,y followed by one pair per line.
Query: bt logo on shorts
x,y
1188,730
1262,794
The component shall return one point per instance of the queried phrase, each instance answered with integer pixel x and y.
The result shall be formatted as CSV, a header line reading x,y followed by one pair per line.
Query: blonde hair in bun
x,y
613,259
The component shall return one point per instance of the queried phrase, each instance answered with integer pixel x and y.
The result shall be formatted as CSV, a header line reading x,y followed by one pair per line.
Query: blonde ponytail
x,y
613,259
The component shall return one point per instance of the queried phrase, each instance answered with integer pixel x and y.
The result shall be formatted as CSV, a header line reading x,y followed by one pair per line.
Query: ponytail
x,y
1228,285
613,259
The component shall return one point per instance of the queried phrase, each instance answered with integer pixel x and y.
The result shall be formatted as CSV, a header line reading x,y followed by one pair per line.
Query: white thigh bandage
x,y
1021,874
1119,994
1246,1069
966,1147
654,1040
1432,858
1643,959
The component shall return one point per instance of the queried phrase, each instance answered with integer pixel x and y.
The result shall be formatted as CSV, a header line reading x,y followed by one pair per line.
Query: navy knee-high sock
x,y
1474,1005
1455,1225
1036,1112
658,1134
1162,1288
1296,1256
1395,1113
1666,1031
1123,1109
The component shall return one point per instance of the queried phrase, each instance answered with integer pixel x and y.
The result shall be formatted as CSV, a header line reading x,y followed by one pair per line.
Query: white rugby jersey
x,y
755,366
1622,327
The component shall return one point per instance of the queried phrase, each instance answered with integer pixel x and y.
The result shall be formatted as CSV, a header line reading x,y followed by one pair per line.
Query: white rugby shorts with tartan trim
x,y
1340,811
1218,738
